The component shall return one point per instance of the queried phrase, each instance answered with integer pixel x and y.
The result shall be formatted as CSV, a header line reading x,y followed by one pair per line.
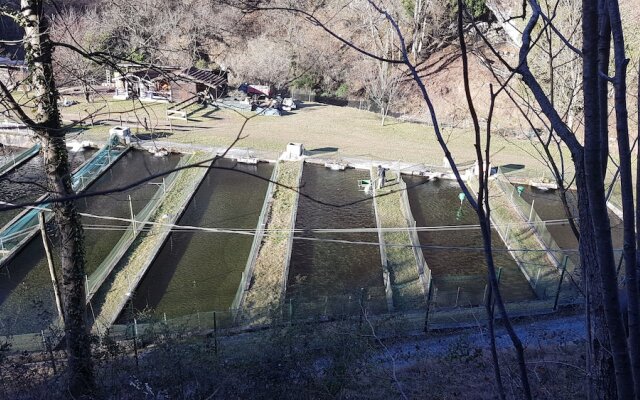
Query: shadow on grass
x,y
321,150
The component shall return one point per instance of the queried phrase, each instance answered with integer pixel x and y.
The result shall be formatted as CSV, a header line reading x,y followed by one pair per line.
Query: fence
x,y
245,281
359,309
184,184
562,261
16,161
423,268
97,278
383,249
366,105
18,231
14,127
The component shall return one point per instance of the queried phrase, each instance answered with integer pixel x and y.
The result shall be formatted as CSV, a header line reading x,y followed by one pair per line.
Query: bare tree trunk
x,y
47,126
595,192
483,212
604,55
626,183
599,363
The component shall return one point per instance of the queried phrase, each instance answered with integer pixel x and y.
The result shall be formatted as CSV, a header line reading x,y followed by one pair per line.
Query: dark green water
x,y
28,182
548,206
436,203
200,271
26,295
335,273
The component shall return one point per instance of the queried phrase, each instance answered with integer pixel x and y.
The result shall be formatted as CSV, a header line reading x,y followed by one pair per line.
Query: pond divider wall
x,y
292,225
20,159
383,247
530,244
424,273
258,237
113,295
565,266
267,284
21,229
140,220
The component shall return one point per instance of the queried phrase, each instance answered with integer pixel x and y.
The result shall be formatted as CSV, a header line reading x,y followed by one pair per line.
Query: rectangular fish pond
x,y
197,271
455,255
27,303
334,272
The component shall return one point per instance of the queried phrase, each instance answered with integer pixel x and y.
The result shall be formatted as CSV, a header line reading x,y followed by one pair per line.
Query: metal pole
x,y
361,305
135,340
426,317
215,333
290,311
52,272
484,295
47,346
564,269
133,221
531,212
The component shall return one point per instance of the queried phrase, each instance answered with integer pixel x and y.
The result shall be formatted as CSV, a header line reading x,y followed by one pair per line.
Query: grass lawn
x,y
265,292
326,131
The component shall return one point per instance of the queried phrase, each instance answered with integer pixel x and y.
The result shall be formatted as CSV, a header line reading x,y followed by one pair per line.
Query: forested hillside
x,y
290,51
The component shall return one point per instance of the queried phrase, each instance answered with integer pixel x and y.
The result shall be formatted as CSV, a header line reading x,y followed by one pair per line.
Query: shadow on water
x,y
459,266
26,294
322,271
201,271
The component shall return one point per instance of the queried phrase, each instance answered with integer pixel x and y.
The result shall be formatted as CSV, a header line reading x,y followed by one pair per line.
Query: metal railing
x,y
559,258
423,268
292,226
16,161
386,276
247,274
19,231
97,277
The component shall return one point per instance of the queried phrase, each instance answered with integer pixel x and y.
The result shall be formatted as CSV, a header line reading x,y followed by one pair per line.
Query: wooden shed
x,y
169,84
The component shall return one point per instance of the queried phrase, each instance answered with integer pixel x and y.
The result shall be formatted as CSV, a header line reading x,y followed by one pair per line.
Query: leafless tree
x,y
46,124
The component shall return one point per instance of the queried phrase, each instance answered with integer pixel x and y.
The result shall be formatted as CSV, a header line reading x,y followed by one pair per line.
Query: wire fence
x,y
424,272
138,223
124,282
19,230
537,272
17,160
386,276
358,309
245,281
367,105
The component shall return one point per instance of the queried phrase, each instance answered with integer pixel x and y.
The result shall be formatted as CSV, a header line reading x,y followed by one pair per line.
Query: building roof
x,y
207,77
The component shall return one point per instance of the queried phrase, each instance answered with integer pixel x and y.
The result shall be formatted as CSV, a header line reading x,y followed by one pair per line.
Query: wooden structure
x,y
168,84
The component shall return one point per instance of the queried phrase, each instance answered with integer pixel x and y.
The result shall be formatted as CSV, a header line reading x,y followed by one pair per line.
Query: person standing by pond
x,y
380,175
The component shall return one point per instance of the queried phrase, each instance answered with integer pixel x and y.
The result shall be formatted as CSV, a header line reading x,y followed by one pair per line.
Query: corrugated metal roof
x,y
204,76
